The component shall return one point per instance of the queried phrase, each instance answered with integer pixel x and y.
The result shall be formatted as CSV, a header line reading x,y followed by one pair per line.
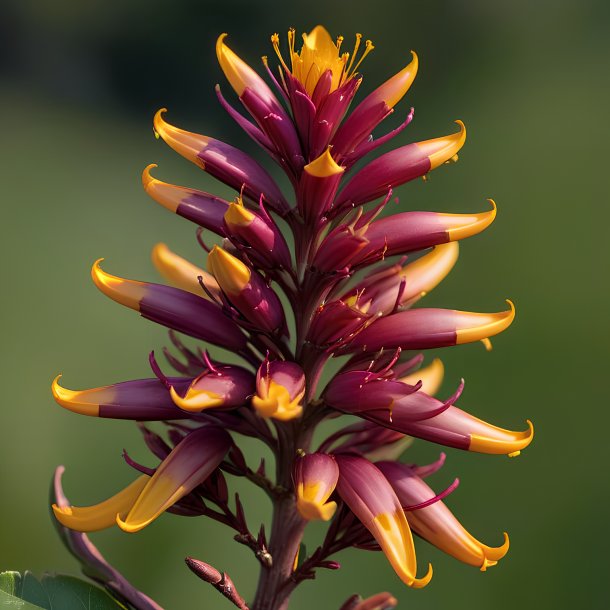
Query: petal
x,y
223,161
173,308
315,478
399,166
189,464
142,400
436,523
182,273
103,515
429,328
197,206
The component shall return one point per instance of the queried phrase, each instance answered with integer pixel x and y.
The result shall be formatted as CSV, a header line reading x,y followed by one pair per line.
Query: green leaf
x,y
52,592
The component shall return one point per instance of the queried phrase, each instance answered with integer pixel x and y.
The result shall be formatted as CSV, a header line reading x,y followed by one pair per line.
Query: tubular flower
x,y
311,257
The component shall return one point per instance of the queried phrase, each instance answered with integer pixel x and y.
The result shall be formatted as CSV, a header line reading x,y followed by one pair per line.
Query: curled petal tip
x,y
314,511
472,224
324,166
183,142
489,325
444,148
69,399
420,583
496,553
197,401
125,292
146,177
509,442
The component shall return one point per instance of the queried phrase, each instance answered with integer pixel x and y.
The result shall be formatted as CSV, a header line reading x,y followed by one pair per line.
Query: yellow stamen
x,y
196,400
470,224
182,273
230,273
73,400
490,324
125,292
324,166
431,377
487,344
103,515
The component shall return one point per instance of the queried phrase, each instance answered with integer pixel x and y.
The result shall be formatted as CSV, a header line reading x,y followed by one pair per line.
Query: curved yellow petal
x,y
488,325
182,273
186,143
238,215
324,166
125,292
470,224
506,443
230,273
104,514
394,89
444,148
196,401
75,401
313,511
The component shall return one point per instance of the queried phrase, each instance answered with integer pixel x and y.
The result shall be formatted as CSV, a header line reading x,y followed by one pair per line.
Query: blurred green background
x,y
79,83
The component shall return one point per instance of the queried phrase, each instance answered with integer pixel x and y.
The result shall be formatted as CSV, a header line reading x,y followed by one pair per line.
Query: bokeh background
x,y
79,83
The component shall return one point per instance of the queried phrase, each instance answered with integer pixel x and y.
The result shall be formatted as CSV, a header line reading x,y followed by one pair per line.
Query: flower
x,y
345,300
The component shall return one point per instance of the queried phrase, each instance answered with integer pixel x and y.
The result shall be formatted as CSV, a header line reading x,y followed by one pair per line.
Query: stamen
x,y
339,42
275,41
356,47
435,499
369,46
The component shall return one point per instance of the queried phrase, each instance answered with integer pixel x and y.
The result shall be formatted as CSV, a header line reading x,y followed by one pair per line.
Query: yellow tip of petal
x,y
125,292
491,324
442,149
230,273
188,144
513,441
181,273
196,401
396,88
496,553
313,511
324,166
420,583
431,377
104,514
69,399
166,194
472,223
238,215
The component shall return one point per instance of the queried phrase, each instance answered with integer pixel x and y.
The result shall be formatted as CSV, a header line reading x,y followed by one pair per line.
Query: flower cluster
x,y
349,286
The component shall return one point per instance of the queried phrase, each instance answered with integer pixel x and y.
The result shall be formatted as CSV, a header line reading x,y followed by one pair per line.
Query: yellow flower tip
x,y
467,225
147,179
102,515
230,273
276,403
238,215
181,273
490,325
496,553
442,149
131,528
314,511
420,583
324,166
188,144
396,88
230,64
125,292
487,564
72,400
506,443
195,401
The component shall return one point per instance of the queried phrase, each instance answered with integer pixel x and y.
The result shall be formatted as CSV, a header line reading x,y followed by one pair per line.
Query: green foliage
x,y
52,592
